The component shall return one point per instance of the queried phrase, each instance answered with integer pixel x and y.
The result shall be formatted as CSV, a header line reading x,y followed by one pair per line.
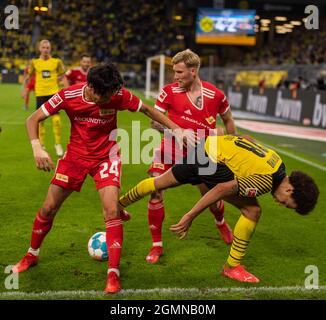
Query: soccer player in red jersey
x,y
79,74
192,104
92,109
29,86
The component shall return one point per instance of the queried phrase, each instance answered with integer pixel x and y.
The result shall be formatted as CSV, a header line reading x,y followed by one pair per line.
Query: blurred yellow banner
x,y
252,78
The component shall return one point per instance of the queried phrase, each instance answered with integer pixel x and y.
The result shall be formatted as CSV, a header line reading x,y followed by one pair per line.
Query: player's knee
x,y
157,196
49,210
252,212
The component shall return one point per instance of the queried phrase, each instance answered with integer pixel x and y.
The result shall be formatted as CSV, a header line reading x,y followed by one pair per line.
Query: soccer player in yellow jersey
x,y
236,170
48,72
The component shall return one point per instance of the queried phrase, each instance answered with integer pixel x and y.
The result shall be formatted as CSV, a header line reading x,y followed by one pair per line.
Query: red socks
x,y
218,212
41,227
114,239
155,219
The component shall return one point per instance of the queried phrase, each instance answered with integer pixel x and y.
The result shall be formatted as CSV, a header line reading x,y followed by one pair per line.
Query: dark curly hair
x,y
105,79
305,193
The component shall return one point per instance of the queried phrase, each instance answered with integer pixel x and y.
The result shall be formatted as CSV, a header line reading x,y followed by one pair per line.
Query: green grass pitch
x,y
283,245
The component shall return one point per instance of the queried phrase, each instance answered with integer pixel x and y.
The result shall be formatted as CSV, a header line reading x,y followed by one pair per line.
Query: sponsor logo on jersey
x,y
46,74
107,112
62,177
55,101
162,96
251,192
210,120
93,120
188,112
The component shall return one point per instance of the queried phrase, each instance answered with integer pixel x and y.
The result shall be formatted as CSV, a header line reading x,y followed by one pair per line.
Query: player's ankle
x,y
34,252
158,244
219,222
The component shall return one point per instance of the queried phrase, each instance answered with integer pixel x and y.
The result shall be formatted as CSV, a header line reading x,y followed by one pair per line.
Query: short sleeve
x,y
255,185
54,104
60,67
163,100
129,101
31,68
224,105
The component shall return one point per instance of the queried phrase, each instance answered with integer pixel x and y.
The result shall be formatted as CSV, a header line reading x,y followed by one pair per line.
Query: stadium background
x,y
266,84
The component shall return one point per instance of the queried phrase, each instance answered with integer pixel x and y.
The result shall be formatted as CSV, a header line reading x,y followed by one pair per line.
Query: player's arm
x,y
60,70
181,135
157,126
219,192
42,159
65,82
228,121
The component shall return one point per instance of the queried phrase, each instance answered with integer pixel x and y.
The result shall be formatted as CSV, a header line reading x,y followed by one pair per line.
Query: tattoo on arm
x,y
235,188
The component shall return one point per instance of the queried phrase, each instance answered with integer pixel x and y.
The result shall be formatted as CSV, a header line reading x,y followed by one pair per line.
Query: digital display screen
x,y
225,26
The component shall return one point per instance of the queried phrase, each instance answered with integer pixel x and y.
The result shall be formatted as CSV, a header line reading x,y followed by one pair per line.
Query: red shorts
x,y
165,157
72,170
30,86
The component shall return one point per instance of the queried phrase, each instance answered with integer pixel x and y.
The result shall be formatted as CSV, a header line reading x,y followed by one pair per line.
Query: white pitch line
x,y
293,156
130,292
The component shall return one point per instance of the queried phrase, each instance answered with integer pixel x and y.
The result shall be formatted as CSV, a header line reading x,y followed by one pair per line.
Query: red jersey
x,y
76,75
182,111
92,133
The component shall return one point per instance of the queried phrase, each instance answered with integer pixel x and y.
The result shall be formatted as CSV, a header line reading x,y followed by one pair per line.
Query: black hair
x,y
305,193
104,79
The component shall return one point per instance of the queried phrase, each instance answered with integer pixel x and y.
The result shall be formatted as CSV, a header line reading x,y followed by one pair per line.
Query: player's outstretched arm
x,y
182,136
219,192
229,122
42,159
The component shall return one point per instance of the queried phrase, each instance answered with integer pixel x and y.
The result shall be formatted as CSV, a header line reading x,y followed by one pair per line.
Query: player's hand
x,y
182,227
219,131
185,137
42,159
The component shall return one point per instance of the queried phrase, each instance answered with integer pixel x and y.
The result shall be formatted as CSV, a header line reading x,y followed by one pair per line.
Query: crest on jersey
x,y
55,101
251,192
107,112
210,120
162,96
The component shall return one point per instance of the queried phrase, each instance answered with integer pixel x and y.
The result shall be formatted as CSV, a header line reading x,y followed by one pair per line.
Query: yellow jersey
x,y
258,169
47,72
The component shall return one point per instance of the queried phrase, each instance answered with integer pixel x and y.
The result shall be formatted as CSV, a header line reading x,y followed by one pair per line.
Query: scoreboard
x,y
225,26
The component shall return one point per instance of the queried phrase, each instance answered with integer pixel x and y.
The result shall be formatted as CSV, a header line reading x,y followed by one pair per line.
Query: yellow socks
x,y
243,231
142,189
41,133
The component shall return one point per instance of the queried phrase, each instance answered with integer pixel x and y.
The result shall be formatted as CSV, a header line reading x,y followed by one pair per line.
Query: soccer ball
x,y
97,247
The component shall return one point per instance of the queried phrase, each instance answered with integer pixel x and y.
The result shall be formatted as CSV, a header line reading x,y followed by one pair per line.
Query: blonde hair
x,y
44,41
190,58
